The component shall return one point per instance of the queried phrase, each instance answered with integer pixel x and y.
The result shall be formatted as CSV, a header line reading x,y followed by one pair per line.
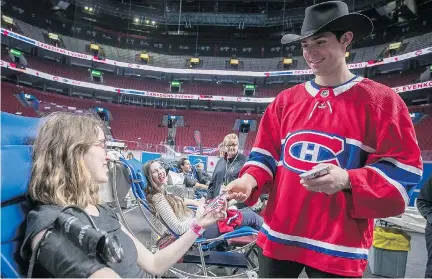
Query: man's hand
x,y
337,180
241,188
201,186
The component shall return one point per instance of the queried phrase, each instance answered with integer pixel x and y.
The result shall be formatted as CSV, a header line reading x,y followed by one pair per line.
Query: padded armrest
x,y
243,231
16,168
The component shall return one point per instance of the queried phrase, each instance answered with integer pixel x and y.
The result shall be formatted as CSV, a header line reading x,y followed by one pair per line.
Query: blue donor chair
x,y
17,135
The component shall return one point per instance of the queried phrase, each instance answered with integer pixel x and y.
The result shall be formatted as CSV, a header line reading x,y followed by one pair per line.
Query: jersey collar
x,y
313,88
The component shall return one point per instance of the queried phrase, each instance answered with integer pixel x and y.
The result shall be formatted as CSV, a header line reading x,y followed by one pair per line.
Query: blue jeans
x,y
200,194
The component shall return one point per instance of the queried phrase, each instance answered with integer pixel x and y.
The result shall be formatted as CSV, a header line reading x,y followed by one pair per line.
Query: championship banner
x,y
36,73
66,52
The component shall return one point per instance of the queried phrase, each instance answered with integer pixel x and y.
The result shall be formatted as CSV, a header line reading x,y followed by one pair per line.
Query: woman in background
x,y
227,168
173,210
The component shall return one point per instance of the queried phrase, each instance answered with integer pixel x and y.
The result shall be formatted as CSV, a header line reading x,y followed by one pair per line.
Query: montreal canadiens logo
x,y
306,149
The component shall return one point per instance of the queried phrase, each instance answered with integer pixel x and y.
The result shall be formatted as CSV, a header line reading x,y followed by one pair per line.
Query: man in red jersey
x,y
360,129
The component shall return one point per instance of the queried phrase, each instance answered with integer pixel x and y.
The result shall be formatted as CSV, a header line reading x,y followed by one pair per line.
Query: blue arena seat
x,y
17,135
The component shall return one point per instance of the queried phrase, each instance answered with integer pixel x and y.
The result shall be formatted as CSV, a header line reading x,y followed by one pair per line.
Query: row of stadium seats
x,y
82,74
397,79
131,122
424,135
250,64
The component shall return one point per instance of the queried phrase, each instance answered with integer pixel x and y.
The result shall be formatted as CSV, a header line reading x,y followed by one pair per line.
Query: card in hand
x,y
315,172
217,203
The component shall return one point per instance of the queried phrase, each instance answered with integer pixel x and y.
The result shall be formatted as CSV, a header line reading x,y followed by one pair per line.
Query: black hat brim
x,y
359,24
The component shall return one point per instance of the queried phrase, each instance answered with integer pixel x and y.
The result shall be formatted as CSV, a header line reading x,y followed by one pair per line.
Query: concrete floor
x,y
415,267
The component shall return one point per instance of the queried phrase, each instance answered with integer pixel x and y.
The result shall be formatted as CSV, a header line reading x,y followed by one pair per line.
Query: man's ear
x,y
347,38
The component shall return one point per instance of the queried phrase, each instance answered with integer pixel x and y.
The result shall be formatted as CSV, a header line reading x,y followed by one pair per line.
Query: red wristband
x,y
197,229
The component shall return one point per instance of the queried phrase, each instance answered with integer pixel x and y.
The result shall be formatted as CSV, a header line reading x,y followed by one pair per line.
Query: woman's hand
x,y
205,220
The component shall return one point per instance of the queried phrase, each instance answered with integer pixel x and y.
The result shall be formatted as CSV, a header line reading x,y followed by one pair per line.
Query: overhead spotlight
x,y
136,20
147,21
153,22
86,8
90,9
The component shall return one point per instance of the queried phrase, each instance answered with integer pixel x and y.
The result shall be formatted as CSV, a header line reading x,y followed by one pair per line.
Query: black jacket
x,y
219,173
61,257
424,201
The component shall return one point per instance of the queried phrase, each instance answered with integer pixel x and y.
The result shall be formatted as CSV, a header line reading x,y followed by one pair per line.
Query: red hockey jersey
x,y
361,126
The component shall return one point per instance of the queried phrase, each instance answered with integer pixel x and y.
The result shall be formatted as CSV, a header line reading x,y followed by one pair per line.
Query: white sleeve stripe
x,y
403,166
361,145
265,152
393,182
260,165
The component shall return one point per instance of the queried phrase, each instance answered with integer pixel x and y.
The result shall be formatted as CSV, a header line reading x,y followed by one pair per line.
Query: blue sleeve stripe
x,y
260,165
264,159
401,188
405,177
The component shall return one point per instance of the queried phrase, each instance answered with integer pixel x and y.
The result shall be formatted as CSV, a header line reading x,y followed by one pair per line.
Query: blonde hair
x,y
230,138
152,189
59,175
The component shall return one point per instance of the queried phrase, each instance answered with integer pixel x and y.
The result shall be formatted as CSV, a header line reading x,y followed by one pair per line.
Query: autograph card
x,y
216,203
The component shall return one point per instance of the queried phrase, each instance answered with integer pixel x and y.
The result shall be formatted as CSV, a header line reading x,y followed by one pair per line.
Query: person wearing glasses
x,y
69,164
227,168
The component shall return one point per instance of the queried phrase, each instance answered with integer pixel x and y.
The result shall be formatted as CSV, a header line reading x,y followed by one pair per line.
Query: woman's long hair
x,y
59,175
152,189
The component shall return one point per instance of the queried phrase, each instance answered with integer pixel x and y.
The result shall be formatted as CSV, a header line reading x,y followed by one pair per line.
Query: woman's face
x,y
158,174
95,159
231,148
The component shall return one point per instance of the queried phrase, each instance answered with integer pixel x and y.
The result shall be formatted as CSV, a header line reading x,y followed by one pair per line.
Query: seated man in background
x,y
191,180
202,176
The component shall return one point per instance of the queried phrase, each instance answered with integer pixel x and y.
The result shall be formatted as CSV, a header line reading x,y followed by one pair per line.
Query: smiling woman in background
x,y
173,210
227,168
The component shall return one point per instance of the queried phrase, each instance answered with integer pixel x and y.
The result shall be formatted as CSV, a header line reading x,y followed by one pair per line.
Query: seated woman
x,y
69,163
173,211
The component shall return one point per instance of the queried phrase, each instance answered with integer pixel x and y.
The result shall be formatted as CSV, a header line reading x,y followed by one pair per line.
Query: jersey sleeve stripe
x,y
315,245
264,152
393,182
403,166
359,144
402,175
260,165
263,157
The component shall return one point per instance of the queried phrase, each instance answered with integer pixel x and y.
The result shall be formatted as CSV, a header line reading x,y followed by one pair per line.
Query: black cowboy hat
x,y
331,16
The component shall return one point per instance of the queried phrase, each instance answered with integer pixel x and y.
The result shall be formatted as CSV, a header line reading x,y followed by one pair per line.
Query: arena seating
x,y
78,73
131,122
424,135
397,79
9,103
250,64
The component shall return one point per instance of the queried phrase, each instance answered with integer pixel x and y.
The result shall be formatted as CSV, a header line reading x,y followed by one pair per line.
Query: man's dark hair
x,y
181,163
338,34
